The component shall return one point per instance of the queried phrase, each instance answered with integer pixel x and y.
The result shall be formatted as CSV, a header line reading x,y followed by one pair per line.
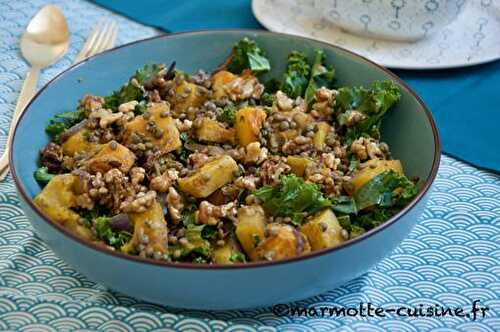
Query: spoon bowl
x,y
45,41
46,38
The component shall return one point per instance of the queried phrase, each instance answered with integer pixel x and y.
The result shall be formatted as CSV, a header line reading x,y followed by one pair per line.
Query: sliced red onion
x,y
73,130
121,222
210,149
170,72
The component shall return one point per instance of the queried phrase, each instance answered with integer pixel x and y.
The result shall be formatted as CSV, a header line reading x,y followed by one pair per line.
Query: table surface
x,y
451,258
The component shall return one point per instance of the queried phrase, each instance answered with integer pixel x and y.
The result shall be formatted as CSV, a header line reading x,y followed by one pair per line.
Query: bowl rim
x,y
249,265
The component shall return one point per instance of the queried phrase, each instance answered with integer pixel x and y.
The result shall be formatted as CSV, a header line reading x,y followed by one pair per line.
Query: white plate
x,y
472,39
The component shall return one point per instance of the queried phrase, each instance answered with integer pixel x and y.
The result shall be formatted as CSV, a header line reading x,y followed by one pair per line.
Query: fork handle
x,y
27,92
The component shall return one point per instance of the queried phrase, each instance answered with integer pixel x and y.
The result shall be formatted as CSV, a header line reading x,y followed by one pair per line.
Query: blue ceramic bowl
x,y
409,130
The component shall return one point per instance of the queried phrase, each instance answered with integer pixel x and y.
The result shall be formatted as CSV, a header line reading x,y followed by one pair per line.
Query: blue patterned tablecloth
x,y
451,258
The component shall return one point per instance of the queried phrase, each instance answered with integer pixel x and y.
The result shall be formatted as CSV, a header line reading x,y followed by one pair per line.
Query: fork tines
x,y
100,39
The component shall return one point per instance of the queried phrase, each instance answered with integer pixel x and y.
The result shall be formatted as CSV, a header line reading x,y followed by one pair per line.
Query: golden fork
x,y
100,39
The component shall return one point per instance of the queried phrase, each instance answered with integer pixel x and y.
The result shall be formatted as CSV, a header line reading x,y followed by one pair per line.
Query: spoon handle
x,y
27,92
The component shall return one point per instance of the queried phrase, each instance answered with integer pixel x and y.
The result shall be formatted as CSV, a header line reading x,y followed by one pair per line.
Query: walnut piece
x,y
210,214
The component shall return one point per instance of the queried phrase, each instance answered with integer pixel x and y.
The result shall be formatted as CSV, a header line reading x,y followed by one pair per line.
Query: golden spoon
x,y
45,41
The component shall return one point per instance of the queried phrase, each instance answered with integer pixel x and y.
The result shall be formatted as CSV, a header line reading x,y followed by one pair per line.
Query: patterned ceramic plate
x,y
472,39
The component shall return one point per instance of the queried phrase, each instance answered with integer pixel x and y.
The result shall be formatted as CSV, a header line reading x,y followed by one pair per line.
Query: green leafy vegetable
x,y
321,76
182,153
382,195
356,231
63,121
373,103
247,54
270,88
344,204
267,99
183,137
55,129
292,197
42,175
140,108
237,257
381,191
196,241
272,85
131,91
188,218
373,218
196,245
105,233
345,222
353,164
148,72
209,232
296,77
88,216
72,118
228,115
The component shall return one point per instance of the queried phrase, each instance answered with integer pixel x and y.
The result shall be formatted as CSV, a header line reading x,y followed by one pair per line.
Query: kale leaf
x,y
272,85
148,72
321,76
371,219
267,99
131,91
55,129
72,118
42,175
209,232
63,121
292,197
383,195
88,216
246,54
387,189
188,218
196,245
228,115
373,103
108,235
270,88
296,76
237,257
344,204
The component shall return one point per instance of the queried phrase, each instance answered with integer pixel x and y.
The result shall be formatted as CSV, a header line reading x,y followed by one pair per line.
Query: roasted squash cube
x,y
111,155
194,97
319,138
372,168
150,223
210,177
213,131
249,121
56,200
227,253
283,241
299,164
166,135
250,229
323,230
78,144
220,81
